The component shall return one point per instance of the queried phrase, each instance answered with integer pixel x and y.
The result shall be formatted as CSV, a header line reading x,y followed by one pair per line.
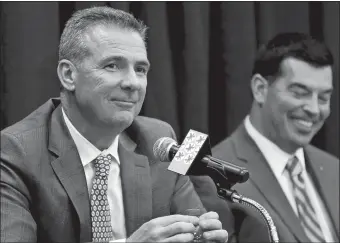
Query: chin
x,y
123,120
301,141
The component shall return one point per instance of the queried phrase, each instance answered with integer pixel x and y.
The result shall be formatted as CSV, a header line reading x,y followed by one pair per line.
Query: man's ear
x,y
259,87
67,73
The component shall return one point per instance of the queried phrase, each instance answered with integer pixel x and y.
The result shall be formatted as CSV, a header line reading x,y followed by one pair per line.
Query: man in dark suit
x,y
296,182
80,168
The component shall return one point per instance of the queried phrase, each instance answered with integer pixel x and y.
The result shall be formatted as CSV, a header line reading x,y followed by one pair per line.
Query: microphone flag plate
x,y
194,147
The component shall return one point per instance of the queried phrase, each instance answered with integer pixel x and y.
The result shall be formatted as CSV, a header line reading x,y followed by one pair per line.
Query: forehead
x,y
297,71
106,41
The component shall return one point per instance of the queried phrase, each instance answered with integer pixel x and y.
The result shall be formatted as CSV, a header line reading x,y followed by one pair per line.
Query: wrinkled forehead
x,y
298,71
106,40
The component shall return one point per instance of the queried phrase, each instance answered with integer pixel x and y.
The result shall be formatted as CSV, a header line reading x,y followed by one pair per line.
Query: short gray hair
x,y
72,45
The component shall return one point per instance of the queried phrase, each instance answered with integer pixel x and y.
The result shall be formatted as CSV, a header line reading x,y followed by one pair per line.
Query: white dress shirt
x,y
87,153
277,160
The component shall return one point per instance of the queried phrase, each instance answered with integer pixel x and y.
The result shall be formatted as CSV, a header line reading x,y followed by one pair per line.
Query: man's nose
x,y
130,80
312,106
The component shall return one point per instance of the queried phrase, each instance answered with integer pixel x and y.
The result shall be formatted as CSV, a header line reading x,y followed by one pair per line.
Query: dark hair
x,y
72,45
298,45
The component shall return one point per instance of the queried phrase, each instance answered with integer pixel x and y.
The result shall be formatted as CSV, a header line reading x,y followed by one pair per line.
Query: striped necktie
x,y
100,209
306,212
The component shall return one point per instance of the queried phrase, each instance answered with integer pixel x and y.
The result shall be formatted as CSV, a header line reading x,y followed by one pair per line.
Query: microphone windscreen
x,y
162,147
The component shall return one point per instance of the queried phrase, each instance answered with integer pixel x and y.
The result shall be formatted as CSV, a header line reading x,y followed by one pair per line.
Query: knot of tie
x,y
102,165
294,166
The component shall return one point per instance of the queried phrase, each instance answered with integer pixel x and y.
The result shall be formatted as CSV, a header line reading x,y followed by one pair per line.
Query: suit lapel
x,y
326,180
264,179
70,171
136,184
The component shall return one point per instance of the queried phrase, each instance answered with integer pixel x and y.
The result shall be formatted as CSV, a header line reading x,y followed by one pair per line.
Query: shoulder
x,y
145,131
28,136
34,122
150,123
316,153
223,145
227,148
150,128
239,135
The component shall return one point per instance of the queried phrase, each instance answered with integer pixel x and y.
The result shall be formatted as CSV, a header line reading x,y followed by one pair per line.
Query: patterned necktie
x,y
306,212
100,209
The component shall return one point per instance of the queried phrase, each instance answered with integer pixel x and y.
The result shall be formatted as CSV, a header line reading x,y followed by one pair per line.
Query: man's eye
x,y
142,70
299,92
111,66
325,99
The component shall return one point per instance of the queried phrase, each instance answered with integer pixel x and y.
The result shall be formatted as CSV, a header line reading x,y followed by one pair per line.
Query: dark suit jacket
x,y
44,196
263,187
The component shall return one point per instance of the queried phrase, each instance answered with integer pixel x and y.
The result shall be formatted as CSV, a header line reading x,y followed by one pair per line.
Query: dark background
x,y
201,56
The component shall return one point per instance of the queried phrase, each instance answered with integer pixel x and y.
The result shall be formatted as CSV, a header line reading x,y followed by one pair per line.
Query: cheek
x,y
325,111
142,89
85,84
143,83
277,107
282,109
142,94
89,95
288,105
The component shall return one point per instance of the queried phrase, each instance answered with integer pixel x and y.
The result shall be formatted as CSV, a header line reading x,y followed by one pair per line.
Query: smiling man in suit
x,y
80,168
296,182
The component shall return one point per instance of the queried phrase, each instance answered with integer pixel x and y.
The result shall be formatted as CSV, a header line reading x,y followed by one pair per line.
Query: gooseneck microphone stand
x,y
224,191
237,198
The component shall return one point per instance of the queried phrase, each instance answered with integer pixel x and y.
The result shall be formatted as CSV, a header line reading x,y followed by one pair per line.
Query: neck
x,y
100,136
268,130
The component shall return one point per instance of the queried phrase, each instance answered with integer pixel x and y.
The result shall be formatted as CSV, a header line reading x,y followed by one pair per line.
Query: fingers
x,y
167,220
178,228
210,224
187,237
216,235
212,228
209,215
209,221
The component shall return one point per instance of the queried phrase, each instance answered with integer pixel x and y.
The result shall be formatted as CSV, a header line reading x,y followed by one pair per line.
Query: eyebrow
x,y
121,58
144,63
330,90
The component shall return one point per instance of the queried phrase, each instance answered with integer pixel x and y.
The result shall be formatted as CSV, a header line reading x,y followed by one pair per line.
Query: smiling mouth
x,y
123,103
308,124
303,125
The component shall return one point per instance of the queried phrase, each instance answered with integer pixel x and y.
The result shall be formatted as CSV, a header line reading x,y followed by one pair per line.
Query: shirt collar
x,y
276,157
87,151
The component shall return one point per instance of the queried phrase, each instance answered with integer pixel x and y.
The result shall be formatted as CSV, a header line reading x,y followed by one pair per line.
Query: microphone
x,y
166,149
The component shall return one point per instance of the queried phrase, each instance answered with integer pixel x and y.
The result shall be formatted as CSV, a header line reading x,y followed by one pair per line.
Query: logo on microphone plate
x,y
188,151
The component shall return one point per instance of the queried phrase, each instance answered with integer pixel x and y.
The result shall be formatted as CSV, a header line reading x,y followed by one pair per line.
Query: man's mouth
x,y
123,103
303,125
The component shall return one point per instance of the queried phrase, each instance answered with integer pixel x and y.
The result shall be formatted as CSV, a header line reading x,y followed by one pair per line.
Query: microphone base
x,y
233,196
